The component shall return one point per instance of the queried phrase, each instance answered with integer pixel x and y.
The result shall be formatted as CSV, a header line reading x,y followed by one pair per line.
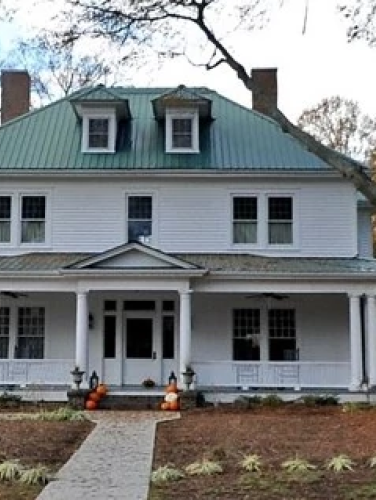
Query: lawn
x,y
36,443
225,435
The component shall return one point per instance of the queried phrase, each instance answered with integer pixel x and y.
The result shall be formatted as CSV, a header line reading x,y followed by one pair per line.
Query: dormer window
x,y
98,133
182,131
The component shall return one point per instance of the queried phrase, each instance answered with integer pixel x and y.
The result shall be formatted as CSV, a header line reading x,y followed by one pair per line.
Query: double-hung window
x,y
140,218
246,334
282,335
30,338
33,219
280,220
98,133
5,218
182,134
244,219
4,332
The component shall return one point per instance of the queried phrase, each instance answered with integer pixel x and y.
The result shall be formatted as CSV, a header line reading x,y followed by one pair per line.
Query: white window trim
x,y
263,221
47,227
176,113
154,220
112,129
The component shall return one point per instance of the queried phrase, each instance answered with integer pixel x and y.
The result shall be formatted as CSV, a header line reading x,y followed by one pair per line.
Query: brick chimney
x,y
265,93
15,94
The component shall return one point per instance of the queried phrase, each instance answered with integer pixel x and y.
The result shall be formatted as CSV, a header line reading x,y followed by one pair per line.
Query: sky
x,y
311,66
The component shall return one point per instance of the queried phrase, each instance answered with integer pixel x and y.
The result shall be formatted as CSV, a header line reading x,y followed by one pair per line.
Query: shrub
x,y
204,468
37,475
165,474
251,463
10,470
340,463
272,400
297,465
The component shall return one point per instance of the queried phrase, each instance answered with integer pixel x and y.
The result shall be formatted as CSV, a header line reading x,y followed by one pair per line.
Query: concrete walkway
x,y
113,463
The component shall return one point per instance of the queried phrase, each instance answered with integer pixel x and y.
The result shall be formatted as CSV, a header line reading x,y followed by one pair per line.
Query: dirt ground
x,y
36,443
276,434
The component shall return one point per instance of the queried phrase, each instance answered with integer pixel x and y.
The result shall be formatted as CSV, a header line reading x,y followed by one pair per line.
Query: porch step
x,y
122,401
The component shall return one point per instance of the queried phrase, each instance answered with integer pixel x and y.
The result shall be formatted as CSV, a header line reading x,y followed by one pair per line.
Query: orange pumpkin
x,y
101,390
165,405
175,405
172,388
94,396
91,405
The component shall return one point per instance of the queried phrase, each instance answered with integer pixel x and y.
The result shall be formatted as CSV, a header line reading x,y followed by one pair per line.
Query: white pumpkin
x,y
171,397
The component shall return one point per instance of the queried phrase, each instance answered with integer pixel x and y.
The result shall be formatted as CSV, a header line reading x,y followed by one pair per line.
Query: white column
x,y
371,336
81,333
185,331
355,343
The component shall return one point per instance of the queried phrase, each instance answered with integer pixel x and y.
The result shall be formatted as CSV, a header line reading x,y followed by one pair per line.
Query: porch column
x,y
81,333
371,335
185,331
355,343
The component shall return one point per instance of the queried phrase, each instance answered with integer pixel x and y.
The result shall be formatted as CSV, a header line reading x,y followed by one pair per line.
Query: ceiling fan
x,y
268,295
14,295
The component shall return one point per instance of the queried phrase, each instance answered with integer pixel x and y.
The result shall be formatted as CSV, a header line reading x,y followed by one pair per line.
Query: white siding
x,y
365,244
195,215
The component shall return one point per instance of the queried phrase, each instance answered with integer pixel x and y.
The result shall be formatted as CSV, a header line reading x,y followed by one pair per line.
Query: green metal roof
x,y
236,139
252,265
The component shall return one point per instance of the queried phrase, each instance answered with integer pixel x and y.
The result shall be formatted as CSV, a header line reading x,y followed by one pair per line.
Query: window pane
x,y
168,334
182,133
109,347
139,305
245,232
280,208
280,233
140,338
139,207
33,207
5,207
110,305
4,231
282,335
246,334
139,217
33,232
98,132
168,305
245,208
30,339
4,332
245,219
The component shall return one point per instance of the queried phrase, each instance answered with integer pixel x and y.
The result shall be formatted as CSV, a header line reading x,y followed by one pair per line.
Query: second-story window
x,y
245,219
33,219
140,218
5,218
182,134
98,133
280,220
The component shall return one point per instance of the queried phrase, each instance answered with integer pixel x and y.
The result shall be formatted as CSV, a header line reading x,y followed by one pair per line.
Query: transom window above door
x,y
140,218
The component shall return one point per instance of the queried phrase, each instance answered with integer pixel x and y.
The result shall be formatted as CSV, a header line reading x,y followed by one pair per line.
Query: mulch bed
x,y
276,434
36,443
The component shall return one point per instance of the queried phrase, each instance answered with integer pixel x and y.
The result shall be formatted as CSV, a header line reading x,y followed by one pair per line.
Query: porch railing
x,y
36,371
291,374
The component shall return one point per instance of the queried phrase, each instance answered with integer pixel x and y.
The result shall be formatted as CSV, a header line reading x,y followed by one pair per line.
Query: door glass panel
x,y
139,338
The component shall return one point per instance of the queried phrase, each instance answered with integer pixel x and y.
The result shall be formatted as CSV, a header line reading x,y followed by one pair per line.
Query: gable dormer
x,y
100,110
183,110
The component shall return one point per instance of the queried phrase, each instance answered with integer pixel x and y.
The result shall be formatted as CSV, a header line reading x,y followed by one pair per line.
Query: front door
x,y
141,356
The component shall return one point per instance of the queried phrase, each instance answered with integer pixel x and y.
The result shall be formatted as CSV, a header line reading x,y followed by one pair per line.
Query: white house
x,y
143,230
